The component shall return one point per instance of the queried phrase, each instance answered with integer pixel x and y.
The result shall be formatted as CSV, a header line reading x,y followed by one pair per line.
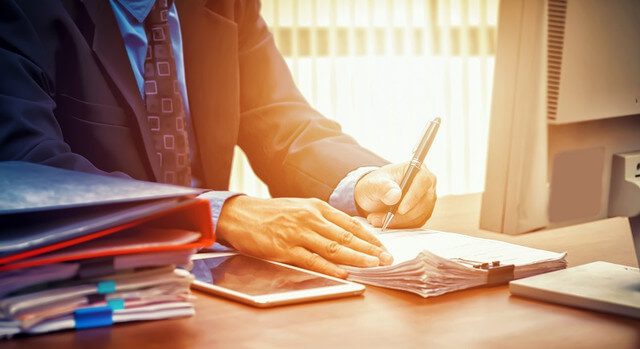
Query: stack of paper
x,y
44,306
81,251
431,263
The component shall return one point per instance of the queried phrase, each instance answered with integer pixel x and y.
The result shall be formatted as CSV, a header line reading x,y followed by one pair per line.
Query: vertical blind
x,y
384,68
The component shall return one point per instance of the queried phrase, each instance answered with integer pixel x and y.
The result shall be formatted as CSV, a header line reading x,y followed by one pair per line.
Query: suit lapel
x,y
210,47
110,50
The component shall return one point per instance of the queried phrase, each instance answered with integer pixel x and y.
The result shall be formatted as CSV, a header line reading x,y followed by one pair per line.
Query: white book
x,y
431,263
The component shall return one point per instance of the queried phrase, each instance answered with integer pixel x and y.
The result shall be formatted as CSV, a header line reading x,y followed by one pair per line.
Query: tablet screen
x,y
255,277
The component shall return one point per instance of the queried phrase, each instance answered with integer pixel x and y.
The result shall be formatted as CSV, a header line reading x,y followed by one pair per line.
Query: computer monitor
x,y
566,101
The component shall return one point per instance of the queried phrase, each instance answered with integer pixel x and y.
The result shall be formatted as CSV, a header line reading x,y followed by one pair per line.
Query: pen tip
x,y
437,120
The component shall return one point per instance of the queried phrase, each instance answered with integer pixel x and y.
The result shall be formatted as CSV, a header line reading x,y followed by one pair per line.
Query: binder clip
x,y
497,274
93,317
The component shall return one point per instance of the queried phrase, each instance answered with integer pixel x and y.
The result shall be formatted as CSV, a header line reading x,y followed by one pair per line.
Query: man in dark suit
x,y
101,86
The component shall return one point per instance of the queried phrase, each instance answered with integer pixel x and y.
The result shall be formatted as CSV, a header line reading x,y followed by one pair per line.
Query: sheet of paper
x,y
406,244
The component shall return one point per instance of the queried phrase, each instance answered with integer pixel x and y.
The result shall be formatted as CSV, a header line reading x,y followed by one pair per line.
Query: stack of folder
x,y
80,250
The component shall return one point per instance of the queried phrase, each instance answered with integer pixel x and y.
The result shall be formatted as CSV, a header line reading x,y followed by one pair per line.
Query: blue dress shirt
x,y
130,15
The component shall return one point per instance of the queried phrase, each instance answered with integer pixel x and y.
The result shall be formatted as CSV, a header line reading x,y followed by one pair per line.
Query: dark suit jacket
x,y
68,97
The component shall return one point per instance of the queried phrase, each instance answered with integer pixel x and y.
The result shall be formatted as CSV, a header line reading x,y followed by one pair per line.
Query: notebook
x,y
431,263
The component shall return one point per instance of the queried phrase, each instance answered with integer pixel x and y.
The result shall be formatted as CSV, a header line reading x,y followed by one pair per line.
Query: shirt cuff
x,y
217,200
343,197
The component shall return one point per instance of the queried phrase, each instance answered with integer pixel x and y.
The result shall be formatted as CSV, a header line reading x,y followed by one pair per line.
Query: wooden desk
x,y
488,317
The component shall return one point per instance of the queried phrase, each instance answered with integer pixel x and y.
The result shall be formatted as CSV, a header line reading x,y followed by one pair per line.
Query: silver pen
x,y
414,167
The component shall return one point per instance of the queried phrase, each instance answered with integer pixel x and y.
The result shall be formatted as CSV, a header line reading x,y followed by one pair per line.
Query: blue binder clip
x,y
93,317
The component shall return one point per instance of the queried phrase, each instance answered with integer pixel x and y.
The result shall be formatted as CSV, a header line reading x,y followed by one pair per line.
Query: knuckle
x,y
346,237
282,241
353,225
372,250
312,261
280,244
333,247
315,202
302,214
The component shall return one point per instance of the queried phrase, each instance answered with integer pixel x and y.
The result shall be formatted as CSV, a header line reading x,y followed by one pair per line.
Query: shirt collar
x,y
139,9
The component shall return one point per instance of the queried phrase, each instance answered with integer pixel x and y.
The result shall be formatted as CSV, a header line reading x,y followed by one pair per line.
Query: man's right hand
x,y
308,233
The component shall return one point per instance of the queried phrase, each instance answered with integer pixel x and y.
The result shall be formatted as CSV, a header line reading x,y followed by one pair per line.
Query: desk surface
x,y
487,317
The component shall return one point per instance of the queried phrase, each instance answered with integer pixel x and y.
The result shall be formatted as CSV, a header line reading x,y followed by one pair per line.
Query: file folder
x,y
45,209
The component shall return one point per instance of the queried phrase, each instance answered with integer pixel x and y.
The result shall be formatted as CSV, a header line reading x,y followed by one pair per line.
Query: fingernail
x,y
371,261
341,273
386,258
376,221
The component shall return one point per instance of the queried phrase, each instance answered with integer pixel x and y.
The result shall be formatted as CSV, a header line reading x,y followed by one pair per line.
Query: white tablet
x,y
263,283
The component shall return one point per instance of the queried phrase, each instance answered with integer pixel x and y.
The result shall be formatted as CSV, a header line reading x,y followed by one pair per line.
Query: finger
x,y
422,183
376,219
416,217
350,224
349,232
336,253
350,242
383,188
303,258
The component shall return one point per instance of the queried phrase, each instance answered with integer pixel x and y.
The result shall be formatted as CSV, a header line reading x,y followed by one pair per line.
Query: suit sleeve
x,y
293,148
29,130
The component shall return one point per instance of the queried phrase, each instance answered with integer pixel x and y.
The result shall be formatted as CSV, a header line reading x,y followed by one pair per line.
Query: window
x,y
384,68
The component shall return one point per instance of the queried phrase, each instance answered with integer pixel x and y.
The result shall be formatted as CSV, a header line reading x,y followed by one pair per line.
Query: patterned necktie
x,y
165,107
